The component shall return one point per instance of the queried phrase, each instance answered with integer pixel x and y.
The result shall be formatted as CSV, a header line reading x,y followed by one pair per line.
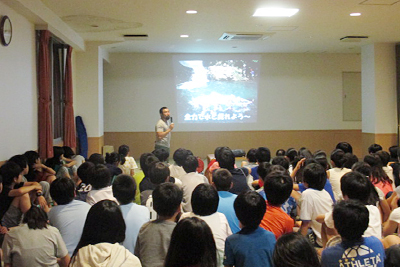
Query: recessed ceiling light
x,y
191,11
184,36
275,12
355,14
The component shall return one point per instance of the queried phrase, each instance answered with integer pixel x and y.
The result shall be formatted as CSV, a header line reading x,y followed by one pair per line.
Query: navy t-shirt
x,y
239,180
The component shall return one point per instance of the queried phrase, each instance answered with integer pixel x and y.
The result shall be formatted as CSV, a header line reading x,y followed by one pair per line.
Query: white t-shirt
x,y
374,225
389,172
176,171
313,203
189,183
219,226
95,196
335,174
395,215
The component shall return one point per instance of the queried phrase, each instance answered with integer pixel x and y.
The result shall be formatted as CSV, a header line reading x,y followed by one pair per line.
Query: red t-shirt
x,y
277,221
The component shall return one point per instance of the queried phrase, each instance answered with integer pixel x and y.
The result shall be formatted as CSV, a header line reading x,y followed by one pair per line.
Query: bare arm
x,y
389,228
304,227
384,209
297,168
161,135
63,262
28,187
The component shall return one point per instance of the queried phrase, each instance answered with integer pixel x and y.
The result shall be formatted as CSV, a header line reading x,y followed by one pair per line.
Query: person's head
x,y
167,198
159,172
280,152
68,152
351,219
263,169
22,162
263,154
226,158
146,159
164,113
250,208
97,158
180,156
124,189
393,153
282,161
337,158
104,224
58,151
113,158
294,250
251,155
204,200
10,173
32,158
278,186
374,148
101,177
161,154
355,185
349,160
315,176
377,173
291,154
62,190
85,172
384,156
392,258
35,218
123,150
321,159
222,179
192,244
190,164
362,167
305,153
346,147
217,150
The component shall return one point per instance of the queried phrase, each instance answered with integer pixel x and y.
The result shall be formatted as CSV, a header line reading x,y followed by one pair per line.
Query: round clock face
x,y
5,30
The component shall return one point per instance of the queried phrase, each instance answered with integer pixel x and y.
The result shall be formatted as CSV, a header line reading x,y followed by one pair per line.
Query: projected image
x,y
223,91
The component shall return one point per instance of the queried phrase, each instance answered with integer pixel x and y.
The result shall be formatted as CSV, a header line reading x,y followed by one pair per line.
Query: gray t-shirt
x,y
41,248
153,242
162,126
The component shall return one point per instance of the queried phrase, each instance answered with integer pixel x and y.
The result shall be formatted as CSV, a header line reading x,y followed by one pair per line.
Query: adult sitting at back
x,y
226,160
190,180
69,215
124,189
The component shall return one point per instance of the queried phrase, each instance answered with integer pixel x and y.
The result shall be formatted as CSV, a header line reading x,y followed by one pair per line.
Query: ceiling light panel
x,y
275,12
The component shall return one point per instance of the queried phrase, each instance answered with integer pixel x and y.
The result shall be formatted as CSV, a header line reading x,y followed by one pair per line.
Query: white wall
x,y
18,101
296,92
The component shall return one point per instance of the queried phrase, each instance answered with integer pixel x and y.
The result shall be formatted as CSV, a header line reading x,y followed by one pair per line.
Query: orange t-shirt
x,y
277,221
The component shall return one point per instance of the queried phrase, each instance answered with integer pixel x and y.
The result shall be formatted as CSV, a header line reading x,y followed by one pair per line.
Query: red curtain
x,y
69,121
44,84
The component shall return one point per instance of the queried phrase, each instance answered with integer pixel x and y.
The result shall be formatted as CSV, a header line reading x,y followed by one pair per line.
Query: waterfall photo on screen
x,y
217,91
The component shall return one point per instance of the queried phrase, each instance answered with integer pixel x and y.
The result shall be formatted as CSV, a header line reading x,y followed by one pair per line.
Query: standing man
x,y
163,130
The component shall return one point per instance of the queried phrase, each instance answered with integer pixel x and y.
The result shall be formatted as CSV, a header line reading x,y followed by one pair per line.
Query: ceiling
x,y
316,28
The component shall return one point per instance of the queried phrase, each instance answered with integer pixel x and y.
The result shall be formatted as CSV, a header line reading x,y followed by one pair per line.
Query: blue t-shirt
x,y
250,249
366,252
225,206
254,173
327,187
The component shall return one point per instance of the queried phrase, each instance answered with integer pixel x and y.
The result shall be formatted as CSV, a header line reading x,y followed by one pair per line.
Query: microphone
x,y
172,120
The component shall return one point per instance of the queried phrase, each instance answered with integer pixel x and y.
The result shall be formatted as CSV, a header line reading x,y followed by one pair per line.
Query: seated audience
x,y
222,180
154,236
378,176
351,220
62,166
97,159
112,162
179,157
192,244
294,250
251,159
372,149
392,256
278,186
124,190
99,245
146,160
314,201
37,171
68,215
34,243
70,154
101,185
128,165
263,154
190,180
161,154
337,171
345,147
251,246
85,173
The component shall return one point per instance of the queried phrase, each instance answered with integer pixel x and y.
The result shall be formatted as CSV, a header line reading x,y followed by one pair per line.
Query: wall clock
x,y
5,31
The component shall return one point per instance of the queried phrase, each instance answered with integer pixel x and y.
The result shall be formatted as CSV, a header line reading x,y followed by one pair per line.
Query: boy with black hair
x,y
226,159
385,158
85,173
314,201
179,157
205,204
158,174
154,237
146,160
263,154
101,185
222,181
277,186
251,246
356,186
351,220
190,180
372,149
124,190
68,215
